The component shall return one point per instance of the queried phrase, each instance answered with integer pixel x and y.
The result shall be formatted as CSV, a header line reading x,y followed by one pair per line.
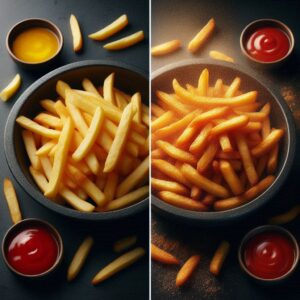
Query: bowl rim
x,y
58,34
217,218
23,224
287,30
268,228
16,170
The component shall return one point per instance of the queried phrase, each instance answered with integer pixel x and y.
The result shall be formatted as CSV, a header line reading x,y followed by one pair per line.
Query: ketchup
x,y
268,44
269,255
32,251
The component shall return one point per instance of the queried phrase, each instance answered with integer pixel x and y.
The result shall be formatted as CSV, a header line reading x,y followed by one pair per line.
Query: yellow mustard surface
x,y
35,45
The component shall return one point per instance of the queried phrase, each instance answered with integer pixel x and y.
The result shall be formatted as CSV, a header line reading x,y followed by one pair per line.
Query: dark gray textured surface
x,y
182,19
92,15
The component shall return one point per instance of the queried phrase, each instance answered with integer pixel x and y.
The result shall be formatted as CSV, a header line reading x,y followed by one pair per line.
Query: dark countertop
x,y
182,19
131,283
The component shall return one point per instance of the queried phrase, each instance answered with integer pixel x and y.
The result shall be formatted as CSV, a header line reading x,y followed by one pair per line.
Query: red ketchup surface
x,y
268,44
32,251
269,255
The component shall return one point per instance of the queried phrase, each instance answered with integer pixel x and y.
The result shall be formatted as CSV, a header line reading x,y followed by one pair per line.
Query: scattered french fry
x,y
125,243
162,256
11,88
219,258
286,217
125,42
187,270
166,48
220,56
76,34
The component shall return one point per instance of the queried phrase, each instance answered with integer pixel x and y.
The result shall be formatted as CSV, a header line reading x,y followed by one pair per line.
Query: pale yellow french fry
x,y
124,243
90,137
201,36
61,110
220,56
76,34
48,105
46,148
60,159
166,48
120,100
233,88
89,87
128,199
108,89
133,179
119,264
61,88
46,119
30,147
36,128
80,258
11,89
110,29
125,42
39,179
119,140
12,201
137,107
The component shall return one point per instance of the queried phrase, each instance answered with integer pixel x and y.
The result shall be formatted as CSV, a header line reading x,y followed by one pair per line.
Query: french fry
x,y
225,143
30,147
120,140
110,29
11,88
219,258
48,105
125,42
200,38
61,88
89,87
176,153
137,107
124,243
133,179
163,121
36,128
39,179
195,193
229,125
46,119
80,258
199,143
108,89
286,217
181,201
46,148
233,88
12,201
273,160
209,115
156,110
166,48
128,199
110,186
187,270
76,34
186,136
218,88
162,256
119,264
171,186
207,157
60,159
203,83
220,56
202,182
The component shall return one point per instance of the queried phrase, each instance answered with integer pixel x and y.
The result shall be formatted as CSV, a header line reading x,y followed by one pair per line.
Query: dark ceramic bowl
x,y
30,23
127,78
257,24
281,117
27,223
275,229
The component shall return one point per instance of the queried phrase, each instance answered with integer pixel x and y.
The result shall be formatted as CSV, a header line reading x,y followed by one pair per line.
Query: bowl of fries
x,y
222,142
77,140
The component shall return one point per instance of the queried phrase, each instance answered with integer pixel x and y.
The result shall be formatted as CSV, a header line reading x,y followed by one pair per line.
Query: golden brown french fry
x,y
60,158
189,98
164,120
30,147
80,258
184,140
119,264
110,29
220,56
166,185
128,199
11,88
199,143
124,243
187,270
76,34
36,128
162,256
207,157
201,37
202,182
229,125
165,48
156,110
209,115
286,217
12,201
181,201
108,89
219,258
233,88
119,140
133,179
273,160
225,143
218,88
203,83
195,193
125,42
176,153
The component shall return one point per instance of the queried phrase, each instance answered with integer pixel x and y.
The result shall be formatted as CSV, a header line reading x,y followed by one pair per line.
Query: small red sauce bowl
x,y
47,231
269,242
263,23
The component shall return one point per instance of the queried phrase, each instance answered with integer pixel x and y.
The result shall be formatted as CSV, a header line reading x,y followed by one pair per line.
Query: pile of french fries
x,y
89,149
213,147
